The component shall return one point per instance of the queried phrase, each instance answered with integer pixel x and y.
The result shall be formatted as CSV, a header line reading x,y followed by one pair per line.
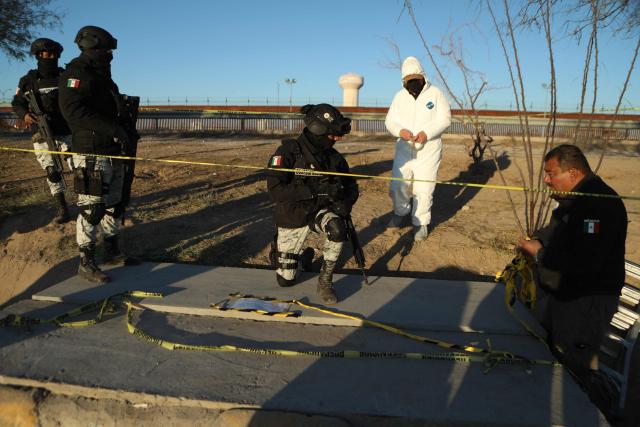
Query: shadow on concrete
x,y
159,280
438,391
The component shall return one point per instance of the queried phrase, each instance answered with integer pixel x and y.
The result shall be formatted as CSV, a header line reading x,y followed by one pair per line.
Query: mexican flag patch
x,y
276,161
591,226
74,83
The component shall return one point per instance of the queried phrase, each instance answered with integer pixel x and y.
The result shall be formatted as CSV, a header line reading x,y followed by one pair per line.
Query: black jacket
x,y
47,95
584,244
296,194
88,102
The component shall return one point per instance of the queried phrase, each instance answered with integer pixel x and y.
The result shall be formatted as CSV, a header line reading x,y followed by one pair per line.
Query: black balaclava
x,y
319,142
414,87
48,67
100,59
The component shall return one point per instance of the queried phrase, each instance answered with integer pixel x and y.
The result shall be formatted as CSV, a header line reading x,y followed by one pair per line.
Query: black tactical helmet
x,y
325,119
48,45
91,37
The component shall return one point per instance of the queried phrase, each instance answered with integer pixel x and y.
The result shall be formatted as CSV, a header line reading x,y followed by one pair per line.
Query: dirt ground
x,y
221,215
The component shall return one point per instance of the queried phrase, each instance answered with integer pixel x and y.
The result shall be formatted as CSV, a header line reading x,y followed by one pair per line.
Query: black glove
x,y
121,136
341,208
53,174
118,210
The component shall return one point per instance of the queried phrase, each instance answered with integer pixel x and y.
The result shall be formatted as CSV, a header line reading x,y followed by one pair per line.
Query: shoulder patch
x,y
73,83
276,161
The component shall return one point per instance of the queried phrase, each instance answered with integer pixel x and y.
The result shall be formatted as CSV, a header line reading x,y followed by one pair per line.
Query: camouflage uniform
x,y
112,173
46,160
291,240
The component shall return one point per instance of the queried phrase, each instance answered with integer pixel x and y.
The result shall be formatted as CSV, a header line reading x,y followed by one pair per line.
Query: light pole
x,y
290,82
278,97
546,88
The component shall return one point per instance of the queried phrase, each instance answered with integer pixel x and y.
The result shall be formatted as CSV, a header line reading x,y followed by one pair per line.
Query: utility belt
x,y
87,180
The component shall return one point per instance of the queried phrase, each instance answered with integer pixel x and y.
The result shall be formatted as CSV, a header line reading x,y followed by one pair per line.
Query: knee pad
x,y
53,175
336,230
284,282
93,213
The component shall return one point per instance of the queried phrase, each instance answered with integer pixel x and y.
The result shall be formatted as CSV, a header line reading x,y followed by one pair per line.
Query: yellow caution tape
x,y
102,306
352,175
490,353
489,360
519,284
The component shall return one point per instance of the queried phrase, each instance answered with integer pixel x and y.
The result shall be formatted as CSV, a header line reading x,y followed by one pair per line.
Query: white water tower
x,y
351,84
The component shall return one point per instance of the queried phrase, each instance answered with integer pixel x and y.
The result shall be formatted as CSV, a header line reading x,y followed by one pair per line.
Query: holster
x,y
88,180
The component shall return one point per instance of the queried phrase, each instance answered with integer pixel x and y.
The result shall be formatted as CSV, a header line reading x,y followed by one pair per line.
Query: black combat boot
x,y
114,256
62,215
88,268
325,283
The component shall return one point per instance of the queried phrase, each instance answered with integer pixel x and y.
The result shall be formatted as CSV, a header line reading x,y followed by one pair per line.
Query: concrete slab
x,y
106,358
421,304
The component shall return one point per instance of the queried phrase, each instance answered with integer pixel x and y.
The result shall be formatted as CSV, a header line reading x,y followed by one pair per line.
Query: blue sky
x,y
244,49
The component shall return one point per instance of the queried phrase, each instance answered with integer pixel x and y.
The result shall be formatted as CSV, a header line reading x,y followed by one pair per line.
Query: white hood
x,y
411,65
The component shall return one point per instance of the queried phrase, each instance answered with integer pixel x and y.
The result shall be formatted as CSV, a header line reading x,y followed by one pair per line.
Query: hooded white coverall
x,y
430,113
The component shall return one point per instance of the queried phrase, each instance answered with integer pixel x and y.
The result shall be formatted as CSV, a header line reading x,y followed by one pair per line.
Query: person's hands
x,y
29,119
420,138
406,135
529,247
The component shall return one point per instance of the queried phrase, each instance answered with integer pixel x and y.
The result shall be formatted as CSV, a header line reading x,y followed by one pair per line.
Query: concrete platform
x,y
422,304
104,360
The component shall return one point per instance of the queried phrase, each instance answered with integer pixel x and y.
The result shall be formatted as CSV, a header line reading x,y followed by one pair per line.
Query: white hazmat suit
x,y
431,114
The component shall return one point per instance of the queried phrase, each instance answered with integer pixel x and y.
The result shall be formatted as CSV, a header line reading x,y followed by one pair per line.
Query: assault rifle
x,y
45,130
358,253
127,118
352,235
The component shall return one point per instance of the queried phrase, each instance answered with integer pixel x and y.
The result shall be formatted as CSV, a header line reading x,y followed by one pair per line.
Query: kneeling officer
x,y
307,201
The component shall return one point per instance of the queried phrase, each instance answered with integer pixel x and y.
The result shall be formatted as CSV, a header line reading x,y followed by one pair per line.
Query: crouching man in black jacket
x,y
308,201
580,261
89,102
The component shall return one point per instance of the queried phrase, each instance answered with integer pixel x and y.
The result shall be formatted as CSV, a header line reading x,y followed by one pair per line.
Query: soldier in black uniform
x,y
89,102
43,83
307,201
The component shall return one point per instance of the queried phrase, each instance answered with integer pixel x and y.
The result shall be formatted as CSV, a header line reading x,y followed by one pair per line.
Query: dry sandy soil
x,y
222,215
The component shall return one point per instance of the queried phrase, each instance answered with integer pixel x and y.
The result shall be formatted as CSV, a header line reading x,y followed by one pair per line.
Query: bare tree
x,y
19,21
622,18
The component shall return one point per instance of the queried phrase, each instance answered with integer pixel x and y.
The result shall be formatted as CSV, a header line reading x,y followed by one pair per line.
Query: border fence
x,y
362,124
